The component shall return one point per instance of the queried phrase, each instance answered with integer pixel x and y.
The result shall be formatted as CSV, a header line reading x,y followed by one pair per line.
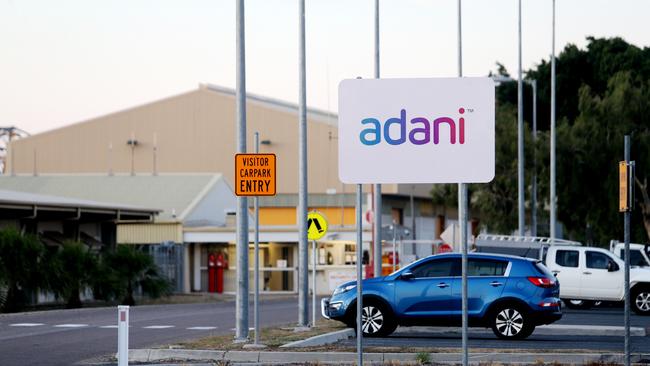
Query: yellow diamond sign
x,y
316,225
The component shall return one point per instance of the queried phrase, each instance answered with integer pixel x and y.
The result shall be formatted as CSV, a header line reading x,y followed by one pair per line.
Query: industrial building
x,y
184,145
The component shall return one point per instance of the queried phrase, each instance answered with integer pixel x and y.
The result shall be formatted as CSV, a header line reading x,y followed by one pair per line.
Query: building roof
x,y
14,200
312,113
175,195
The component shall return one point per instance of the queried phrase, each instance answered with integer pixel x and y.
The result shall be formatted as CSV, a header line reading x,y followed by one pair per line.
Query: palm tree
x,y
72,269
20,267
126,269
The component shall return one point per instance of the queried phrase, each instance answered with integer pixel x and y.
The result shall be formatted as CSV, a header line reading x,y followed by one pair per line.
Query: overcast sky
x,y
65,61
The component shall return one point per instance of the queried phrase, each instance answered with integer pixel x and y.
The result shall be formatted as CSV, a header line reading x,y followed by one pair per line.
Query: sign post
x,y
434,130
316,229
625,205
255,175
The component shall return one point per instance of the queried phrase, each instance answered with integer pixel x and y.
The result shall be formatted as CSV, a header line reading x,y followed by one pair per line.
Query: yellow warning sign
x,y
316,225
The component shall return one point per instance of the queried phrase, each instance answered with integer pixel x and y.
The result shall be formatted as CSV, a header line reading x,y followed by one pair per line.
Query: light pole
x,y
377,187
533,83
553,193
520,139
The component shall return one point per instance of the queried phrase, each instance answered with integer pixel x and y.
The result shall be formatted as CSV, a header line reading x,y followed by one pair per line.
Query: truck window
x,y
597,260
636,258
567,258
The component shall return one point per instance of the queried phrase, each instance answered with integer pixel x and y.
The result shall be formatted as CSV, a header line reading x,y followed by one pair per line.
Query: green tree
x,y
126,269
20,261
72,269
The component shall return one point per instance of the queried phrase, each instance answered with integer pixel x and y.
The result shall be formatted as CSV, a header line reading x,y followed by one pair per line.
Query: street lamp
x,y
498,80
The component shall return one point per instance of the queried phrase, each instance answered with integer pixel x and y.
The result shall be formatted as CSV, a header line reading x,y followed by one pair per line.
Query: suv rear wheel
x,y
641,300
511,321
376,319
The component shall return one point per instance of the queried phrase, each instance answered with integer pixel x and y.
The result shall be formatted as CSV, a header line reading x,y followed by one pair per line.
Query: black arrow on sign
x,y
315,222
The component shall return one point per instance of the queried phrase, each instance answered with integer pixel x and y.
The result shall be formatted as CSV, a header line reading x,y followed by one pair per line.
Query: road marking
x,y
26,325
248,328
109,327
202,328
70,325
158,327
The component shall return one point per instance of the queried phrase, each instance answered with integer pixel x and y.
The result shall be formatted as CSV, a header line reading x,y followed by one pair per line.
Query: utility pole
x,y
241,329
303,276
520,139
533,198
553,202
462,214
377,187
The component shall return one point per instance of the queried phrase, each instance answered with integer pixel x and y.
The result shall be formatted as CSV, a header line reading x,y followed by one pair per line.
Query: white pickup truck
x,y
596,274
639,253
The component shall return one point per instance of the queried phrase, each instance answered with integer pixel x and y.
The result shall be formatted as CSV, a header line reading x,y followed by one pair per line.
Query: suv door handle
x,y
442,285
556,271
495,283
587,272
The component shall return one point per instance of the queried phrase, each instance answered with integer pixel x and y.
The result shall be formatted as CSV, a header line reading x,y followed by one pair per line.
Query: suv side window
x,y
567,258
486,267
436,268
597,260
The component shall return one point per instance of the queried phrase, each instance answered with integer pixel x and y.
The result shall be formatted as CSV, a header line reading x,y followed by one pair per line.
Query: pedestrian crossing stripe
x,y
316,225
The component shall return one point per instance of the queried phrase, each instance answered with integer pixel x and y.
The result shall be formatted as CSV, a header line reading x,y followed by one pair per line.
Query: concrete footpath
x,y
266,357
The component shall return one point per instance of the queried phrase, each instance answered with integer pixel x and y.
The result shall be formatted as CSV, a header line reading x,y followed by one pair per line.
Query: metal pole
x,y
520,138
377,253
359,278
626,238
256,301
533,198
241,333
303,275
462,214
413,213
313,284
553,202
394,242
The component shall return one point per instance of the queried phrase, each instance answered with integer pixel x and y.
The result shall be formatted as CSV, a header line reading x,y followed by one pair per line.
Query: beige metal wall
x,y
195,132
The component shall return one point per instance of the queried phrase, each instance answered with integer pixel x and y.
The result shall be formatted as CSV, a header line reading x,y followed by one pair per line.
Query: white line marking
x,y
26,325
159,327
70,325
236,329
109,327
202,328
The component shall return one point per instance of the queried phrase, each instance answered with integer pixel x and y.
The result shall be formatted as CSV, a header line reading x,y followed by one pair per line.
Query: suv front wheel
x,y
511,322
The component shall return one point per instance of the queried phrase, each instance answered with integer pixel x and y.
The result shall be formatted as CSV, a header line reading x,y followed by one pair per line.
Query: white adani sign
x,y
433,130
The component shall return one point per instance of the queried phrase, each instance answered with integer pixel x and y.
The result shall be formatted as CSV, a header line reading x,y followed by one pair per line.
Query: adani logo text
x,y
419,130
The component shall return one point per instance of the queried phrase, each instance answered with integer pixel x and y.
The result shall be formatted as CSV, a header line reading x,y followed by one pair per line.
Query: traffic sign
x,y
433,130
316,225
255,174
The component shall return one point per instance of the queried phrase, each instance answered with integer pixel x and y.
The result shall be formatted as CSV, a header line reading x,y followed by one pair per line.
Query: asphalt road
x,y
66,337
482,338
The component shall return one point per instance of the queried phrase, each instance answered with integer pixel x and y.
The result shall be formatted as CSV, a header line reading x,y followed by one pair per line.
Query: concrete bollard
x,y
122,335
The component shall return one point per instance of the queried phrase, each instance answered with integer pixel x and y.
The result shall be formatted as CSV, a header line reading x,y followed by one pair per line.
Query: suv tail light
x,y
542,282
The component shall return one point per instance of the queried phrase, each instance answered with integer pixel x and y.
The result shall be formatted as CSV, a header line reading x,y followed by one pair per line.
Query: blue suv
x,y
511,295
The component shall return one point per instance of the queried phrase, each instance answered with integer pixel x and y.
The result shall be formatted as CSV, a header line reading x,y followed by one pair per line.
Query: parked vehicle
x,y
639,253
591,274
509,294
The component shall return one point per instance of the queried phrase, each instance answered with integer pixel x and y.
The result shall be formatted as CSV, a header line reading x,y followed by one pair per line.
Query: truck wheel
x,y
578,304
511,321
376,319
641,301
